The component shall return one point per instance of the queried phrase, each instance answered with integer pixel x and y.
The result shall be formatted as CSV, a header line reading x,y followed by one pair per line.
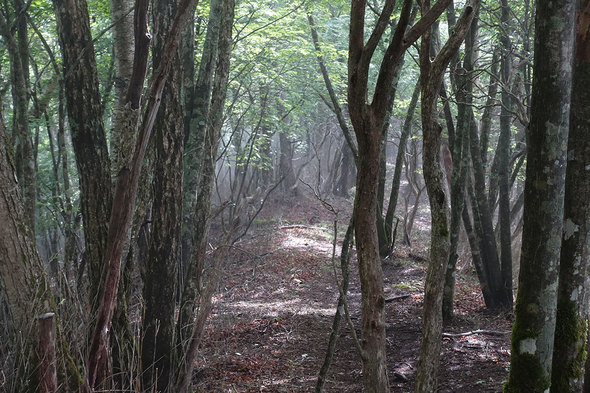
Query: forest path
x,y
272,315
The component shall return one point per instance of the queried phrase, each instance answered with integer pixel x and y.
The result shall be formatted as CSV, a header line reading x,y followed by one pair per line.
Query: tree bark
x,y
367,120
88,135
202,209
503,156
460,140
159,289
535,313
128,176
123,52
571,332
431,74
23,282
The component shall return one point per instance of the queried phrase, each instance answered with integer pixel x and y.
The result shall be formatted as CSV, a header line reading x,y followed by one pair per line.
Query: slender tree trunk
x,y
535,313
201,149
203,205
336,107
397,172
336,322
503,156
484,227
571,332
432,72
384,233
459,147
286,165
18,56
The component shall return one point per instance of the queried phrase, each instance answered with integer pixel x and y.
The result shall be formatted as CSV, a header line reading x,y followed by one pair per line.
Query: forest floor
x,y
273,314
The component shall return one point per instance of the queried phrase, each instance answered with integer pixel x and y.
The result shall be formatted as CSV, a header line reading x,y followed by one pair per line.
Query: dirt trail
x,y
272,316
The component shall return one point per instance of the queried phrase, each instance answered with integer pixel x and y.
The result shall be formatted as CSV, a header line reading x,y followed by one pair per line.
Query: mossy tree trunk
x,y
536,303
571,330
123,51
14,31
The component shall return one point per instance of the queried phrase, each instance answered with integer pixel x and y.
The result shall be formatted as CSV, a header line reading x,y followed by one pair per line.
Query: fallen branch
x,y
391,299
299,226
478,331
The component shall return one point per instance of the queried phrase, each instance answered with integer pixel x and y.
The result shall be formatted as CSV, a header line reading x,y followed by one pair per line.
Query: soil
x,y
273,314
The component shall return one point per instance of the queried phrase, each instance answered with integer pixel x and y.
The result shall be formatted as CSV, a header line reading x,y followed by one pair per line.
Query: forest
x,y
294,196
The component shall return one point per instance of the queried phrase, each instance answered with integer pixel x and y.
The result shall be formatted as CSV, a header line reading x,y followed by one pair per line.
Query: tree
x,y
85,112
571,332
202,206
431,74
25,288
536,303
128,176
15,32
367,119
159,289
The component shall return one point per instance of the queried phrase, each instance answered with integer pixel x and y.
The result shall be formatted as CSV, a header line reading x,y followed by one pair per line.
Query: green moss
x,y
526,371
571,333
526,375
443,230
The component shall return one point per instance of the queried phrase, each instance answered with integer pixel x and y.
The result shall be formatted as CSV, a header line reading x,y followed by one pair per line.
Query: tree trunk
x,y
123,50
534,325
128,176
88,135
431,74
23,283
202,210
196,125
367,120
46,353
289,183
503,156
571,332
159,289
459,152
336,322
198,189
397,173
